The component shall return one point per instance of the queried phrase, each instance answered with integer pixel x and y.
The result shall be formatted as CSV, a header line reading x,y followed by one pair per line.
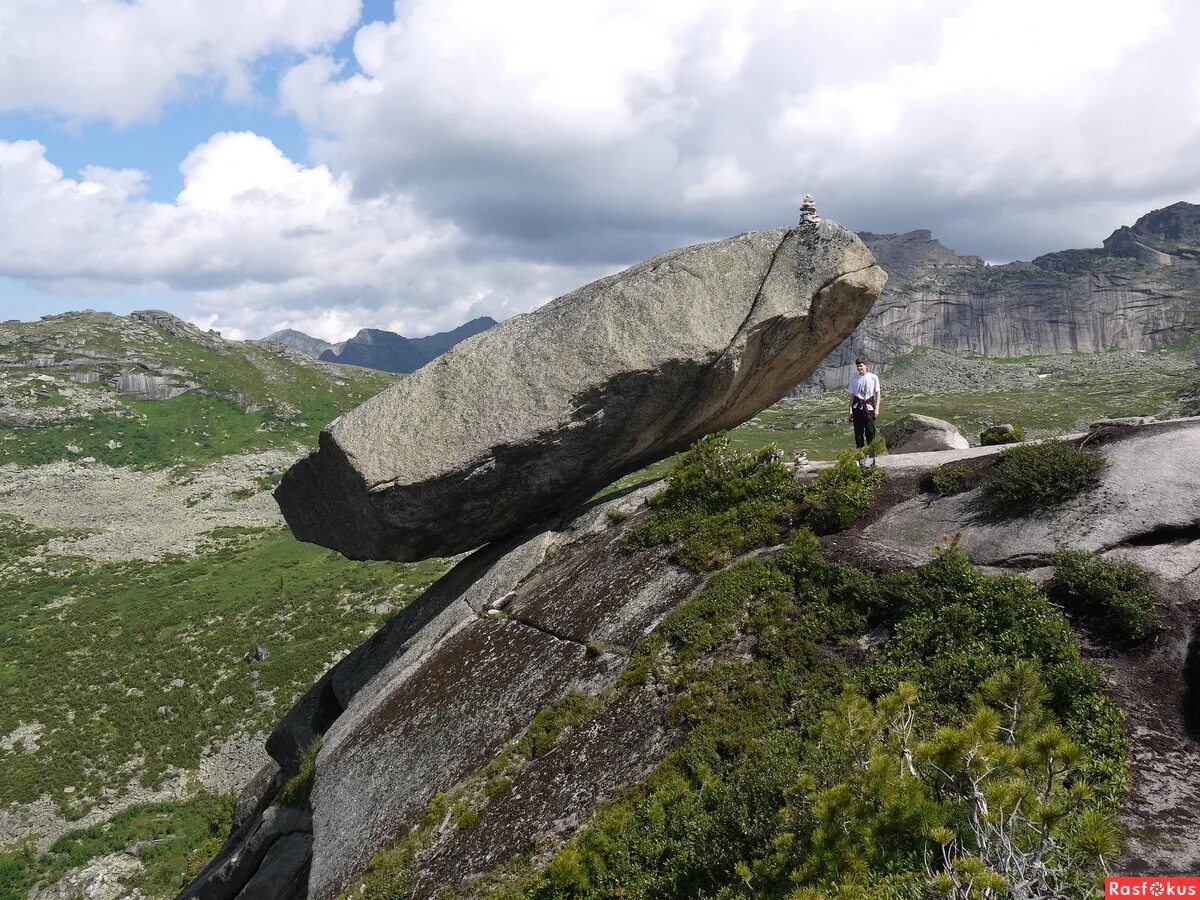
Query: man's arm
x,y
878,396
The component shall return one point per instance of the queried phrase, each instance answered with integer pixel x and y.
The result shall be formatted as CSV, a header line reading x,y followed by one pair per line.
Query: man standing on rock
x,y
864,404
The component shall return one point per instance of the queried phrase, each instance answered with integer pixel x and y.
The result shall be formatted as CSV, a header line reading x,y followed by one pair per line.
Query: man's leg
x,y
860,428
870,431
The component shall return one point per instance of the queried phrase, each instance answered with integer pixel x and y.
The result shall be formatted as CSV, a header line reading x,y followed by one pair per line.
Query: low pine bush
x,y
719,503
1111,592
841,493
950,478
1040,475
297,789
1000,434
800,776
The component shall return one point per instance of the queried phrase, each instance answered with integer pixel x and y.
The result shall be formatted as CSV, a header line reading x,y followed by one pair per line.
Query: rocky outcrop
x,y
1135,502
1145,509
436,697
915,433
1140,291
544,409
151,387
452,680
391,352
176,327
300,342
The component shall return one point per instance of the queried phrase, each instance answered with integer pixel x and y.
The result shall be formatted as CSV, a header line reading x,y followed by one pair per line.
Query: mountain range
x,y
1139,291
373,348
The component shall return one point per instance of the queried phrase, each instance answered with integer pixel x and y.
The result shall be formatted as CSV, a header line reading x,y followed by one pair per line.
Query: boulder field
x,y
539,412
429,701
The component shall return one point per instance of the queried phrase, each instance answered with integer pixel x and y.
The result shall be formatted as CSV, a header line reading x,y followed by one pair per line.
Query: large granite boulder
x,y
539,412
915,433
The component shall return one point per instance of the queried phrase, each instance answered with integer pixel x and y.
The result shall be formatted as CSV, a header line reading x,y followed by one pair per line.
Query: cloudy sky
x,y
333,164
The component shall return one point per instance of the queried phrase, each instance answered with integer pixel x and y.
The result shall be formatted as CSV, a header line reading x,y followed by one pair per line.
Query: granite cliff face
x,y
1140,291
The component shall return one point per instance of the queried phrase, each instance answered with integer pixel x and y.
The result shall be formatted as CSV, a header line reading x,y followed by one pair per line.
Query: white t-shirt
x,y
865,386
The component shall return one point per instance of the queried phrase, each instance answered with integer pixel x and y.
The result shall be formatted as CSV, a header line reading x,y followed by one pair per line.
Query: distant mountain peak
x,y
374,348
300,342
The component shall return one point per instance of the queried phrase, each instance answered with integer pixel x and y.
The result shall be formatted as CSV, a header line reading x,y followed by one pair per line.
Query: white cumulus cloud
x,y
481,158
120,61
256,239
604,129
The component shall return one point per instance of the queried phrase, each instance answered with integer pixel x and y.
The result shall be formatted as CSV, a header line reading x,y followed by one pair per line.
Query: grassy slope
x,y
1064,402
114,636
89,651
297,398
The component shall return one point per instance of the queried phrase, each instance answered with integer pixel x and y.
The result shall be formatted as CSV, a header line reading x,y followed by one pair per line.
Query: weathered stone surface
x,y
1140,292
283,873
554,794
381,763
1124,421
922,434
151,387
459,674
243,855
1134,502
537,413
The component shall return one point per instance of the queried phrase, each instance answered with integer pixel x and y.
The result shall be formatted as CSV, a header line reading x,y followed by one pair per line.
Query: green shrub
x,y
497,786
780,789
950,478
840,494
547,725
998,434
392,874
1039,475
1111,592
718,504
297,789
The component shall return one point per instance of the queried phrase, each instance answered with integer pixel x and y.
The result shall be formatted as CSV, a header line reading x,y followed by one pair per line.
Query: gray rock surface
x,y
1134,502
457,676
542,410
1140,292
915,433
234,870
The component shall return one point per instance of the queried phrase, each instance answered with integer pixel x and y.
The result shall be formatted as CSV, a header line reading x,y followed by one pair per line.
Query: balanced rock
x,y
537,413
921,434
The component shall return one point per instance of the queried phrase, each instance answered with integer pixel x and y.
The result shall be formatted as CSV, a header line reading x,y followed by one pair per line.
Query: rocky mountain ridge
x,y
1140,291
374,348
301,342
